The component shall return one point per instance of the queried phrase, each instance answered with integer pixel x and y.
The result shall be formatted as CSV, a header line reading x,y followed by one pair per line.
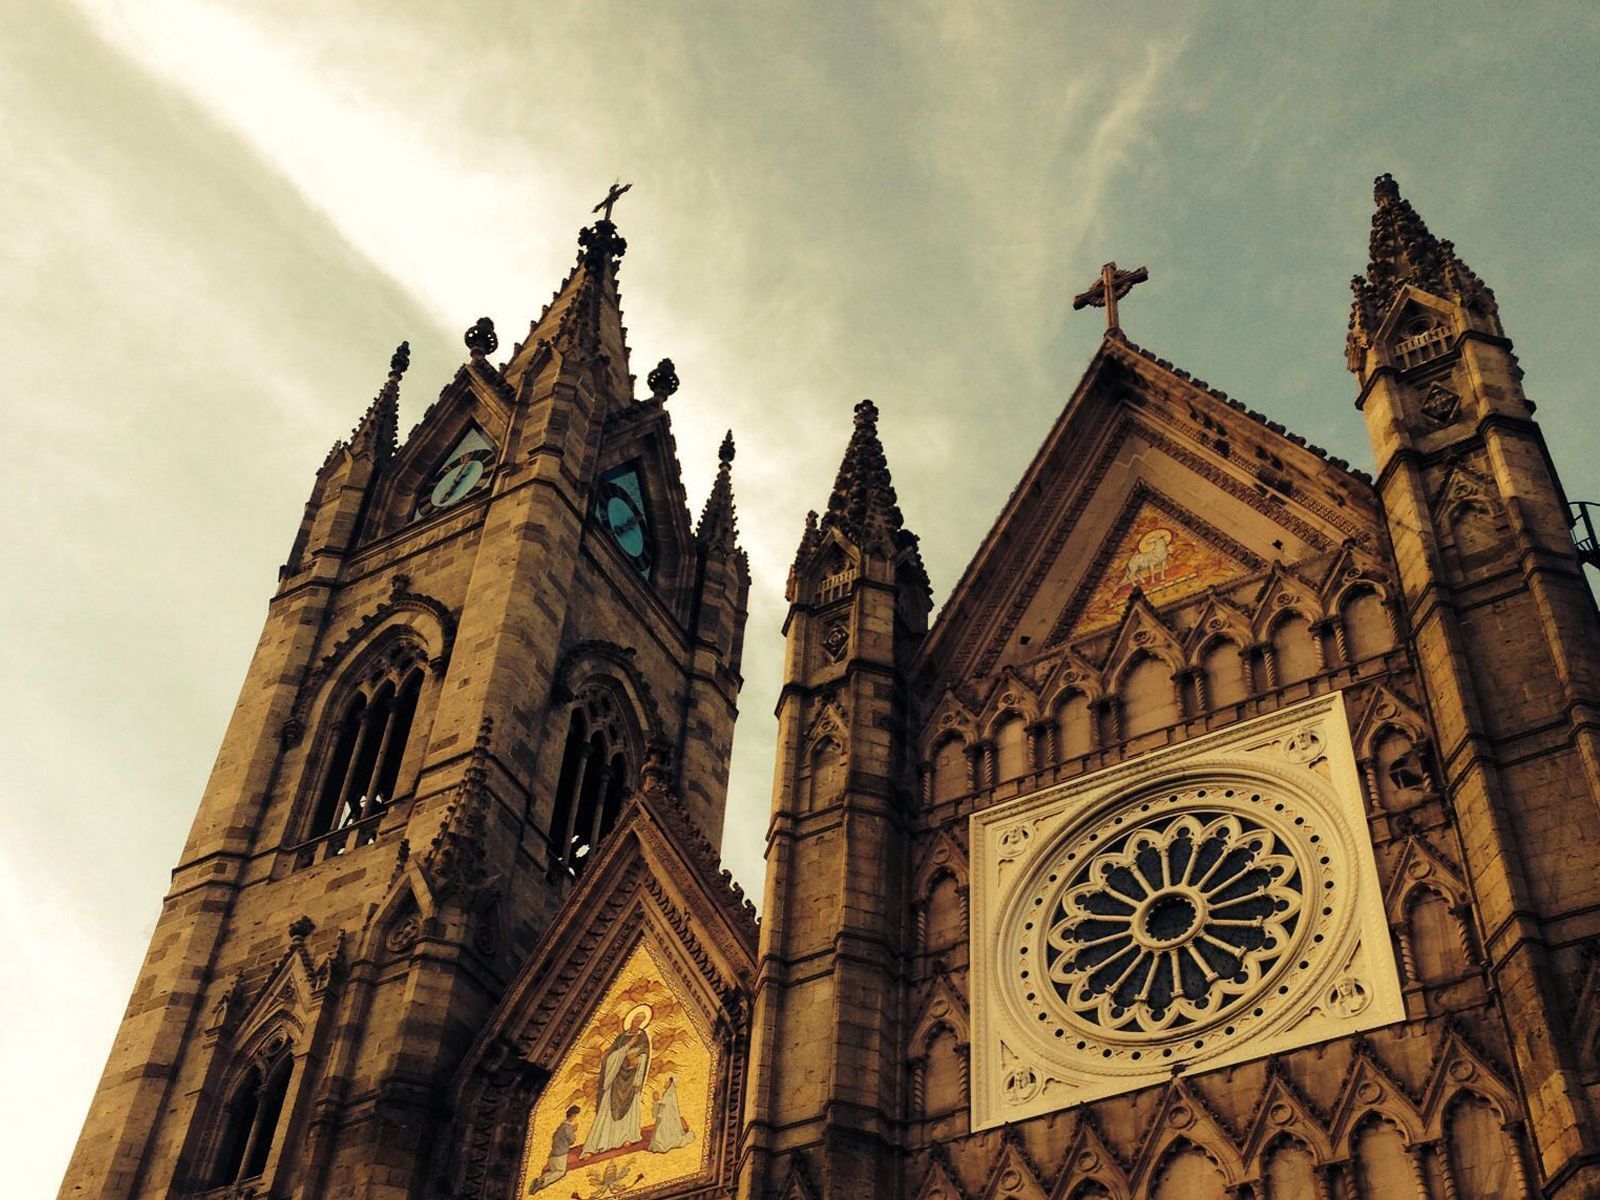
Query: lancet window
x,y
594,779
361,773
250,1120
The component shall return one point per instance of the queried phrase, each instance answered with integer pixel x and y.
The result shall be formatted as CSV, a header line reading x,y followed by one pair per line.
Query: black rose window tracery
x,y
1167,924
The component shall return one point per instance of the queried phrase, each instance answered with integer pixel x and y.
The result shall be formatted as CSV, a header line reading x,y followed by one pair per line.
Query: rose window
x,y
1174,920
1169,923
1205,904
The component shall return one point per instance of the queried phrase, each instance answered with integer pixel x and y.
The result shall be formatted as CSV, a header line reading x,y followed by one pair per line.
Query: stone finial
x,y
601,243
400,361
481,339
725,451
300,928
663,381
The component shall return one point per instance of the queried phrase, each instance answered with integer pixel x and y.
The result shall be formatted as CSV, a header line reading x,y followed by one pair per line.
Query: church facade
x,y
1232,831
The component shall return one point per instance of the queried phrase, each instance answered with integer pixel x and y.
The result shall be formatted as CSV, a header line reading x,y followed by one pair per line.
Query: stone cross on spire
x,y
612,196
1113,285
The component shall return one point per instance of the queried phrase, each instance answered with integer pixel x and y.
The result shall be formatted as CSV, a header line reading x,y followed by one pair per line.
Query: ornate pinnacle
x,y
719,525
1402,252
378,431
809,540
455,860
863,495
663,380
481,338
863,505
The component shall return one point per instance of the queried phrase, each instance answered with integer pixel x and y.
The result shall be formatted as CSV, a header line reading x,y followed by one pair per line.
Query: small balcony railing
x,y
361,832
1582,517
1419,348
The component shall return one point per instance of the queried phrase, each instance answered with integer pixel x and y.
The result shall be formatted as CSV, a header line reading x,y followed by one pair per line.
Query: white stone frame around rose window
x,y
1198,906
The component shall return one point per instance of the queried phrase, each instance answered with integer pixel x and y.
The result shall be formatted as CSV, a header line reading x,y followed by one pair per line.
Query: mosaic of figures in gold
x,y
1163,559
626,1110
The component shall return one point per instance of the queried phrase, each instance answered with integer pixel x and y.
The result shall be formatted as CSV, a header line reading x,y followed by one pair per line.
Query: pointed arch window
x,y
250,1119
593,782
363,768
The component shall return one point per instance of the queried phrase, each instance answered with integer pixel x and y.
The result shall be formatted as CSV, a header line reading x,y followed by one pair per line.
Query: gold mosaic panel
x,y
627,1110
1162,558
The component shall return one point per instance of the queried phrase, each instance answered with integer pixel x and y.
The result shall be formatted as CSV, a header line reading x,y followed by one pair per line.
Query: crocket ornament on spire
x,y
1112,286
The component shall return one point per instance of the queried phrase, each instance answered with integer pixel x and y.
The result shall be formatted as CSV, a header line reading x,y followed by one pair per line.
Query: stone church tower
x,y
479,640
1231,833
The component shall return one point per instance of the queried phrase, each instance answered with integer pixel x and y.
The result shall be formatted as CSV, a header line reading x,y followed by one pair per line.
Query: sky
x,y
217,220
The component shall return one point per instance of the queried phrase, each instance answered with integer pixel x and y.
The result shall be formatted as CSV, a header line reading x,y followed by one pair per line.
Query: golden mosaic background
x,y
1163,559
680,1053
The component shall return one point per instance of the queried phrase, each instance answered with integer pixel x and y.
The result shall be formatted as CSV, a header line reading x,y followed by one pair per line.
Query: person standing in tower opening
x,y
619,1102
561,1140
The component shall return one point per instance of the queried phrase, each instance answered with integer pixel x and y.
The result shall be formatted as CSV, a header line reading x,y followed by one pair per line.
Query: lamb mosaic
x,y
1205,904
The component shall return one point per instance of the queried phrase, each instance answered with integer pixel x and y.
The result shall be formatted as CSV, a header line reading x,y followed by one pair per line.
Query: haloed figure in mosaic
x,y
618,1105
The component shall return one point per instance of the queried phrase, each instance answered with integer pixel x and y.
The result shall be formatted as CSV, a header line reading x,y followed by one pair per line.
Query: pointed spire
x,y
1402,251
583,320
809,540
863,505
378,431
863,497
719,526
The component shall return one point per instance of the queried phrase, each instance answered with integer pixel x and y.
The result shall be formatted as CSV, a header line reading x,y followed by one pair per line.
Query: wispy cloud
x,y
220,216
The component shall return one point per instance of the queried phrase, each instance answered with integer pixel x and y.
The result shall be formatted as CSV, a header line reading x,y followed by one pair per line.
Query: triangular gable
x,y
1370,1088
1249,493
941,1181
640,436
1091,1160
1420,865
476,403
1184,1117
1159,549
1014,1176
650,938
1284,1112
1461,1067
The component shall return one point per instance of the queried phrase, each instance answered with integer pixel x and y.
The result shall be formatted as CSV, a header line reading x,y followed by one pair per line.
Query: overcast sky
x,y
217,220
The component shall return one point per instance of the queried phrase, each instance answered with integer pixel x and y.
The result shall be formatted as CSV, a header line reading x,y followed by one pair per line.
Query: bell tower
x,y
1507,642
476,637
825,1084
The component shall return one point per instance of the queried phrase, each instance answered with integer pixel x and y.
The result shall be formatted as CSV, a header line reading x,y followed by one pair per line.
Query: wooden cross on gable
x,y
1112,286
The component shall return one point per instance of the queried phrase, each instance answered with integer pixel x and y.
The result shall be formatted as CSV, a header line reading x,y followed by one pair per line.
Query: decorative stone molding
x,y
1201,905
